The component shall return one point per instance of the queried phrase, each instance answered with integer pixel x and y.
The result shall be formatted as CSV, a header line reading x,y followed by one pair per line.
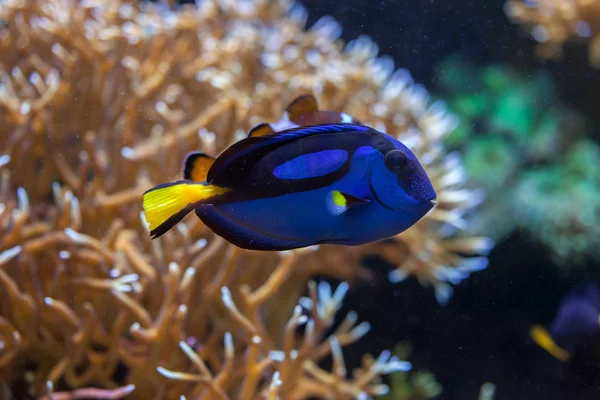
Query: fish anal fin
x,y
543,338
196,166
304,104
242,236
261,130
339,202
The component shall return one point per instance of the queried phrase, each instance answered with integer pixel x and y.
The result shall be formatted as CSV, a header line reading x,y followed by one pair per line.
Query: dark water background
x,y
482,335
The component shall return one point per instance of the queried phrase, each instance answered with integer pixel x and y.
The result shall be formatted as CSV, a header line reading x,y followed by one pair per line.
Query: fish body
x,y
332,183
577,315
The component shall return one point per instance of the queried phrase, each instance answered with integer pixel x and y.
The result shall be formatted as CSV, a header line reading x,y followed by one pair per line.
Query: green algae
x,y
530,153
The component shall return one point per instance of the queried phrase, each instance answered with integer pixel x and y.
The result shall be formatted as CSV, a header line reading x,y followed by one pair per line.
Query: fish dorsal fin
x,y
196,166
304,111
261,130
233,165
325,117
304,104
339,202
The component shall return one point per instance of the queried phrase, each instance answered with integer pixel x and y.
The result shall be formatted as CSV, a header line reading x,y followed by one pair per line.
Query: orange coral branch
x,y
553,23
91,393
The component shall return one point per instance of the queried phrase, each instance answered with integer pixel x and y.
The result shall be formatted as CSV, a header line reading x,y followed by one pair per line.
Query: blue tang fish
x,y
323,179
576,320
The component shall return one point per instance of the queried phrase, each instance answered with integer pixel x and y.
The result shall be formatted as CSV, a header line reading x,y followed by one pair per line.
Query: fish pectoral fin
x,y
243,236
339,202
543,338
261,130
196,166
302,105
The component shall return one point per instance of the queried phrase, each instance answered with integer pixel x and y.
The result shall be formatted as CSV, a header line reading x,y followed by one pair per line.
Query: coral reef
x,y
102,99
529,153
553,23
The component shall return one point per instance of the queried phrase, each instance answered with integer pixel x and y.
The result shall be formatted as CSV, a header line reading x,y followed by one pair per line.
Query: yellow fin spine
x,y
542,338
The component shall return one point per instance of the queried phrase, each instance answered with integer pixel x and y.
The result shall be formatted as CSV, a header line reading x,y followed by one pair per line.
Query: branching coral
x,y
98,305
555,22
296,358
103,99
419,385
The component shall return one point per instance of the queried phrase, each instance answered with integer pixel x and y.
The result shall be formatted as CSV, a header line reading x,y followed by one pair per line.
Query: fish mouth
x,y
399,209
433,202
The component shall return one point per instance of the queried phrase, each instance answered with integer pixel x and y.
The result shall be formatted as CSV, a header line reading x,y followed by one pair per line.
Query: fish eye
x,y
395,160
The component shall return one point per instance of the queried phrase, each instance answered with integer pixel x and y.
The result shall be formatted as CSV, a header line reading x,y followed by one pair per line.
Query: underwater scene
x,y
299,199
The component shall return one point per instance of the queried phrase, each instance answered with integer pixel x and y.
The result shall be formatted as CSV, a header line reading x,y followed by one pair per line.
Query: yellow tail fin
x,y
166,204
542,338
